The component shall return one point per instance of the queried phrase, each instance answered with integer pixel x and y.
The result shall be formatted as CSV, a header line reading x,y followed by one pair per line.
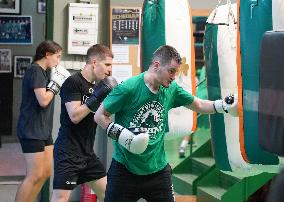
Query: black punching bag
x,y
271,93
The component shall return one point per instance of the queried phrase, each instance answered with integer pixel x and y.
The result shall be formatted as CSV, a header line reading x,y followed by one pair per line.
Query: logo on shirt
x,y
150,118
85,97
69,182
91,90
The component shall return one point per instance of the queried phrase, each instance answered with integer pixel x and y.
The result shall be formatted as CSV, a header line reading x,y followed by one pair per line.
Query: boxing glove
x,y
135,142
228,105
100,92
57,77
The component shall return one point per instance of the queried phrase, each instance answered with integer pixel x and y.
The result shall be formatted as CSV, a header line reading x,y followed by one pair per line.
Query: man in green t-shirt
x,y
139,168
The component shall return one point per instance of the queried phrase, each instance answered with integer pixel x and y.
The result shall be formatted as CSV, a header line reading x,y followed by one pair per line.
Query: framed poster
x,y
10,7
41,6
21,64
15,29
82,27
125,25
5,61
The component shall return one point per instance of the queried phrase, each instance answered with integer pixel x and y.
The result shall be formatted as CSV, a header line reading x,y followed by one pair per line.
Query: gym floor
x,y
12,170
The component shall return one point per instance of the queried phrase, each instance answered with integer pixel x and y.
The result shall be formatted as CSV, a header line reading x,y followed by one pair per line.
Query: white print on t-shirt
x,y
69,182
150,118
85,97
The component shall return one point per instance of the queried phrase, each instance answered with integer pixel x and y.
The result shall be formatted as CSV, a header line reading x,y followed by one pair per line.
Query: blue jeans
x,y
124,186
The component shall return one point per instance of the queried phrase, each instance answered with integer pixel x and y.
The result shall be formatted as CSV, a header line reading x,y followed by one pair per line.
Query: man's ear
x,y
156,65
94,63
48,54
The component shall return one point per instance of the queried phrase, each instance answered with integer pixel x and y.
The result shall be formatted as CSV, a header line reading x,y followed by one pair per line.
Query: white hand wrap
x,y
228,105
136,144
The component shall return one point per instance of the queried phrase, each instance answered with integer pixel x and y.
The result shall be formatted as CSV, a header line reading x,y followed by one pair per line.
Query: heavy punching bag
x,y
221,68
271,85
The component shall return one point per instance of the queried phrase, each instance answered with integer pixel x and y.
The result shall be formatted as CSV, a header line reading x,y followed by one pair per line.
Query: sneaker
x,y
181,152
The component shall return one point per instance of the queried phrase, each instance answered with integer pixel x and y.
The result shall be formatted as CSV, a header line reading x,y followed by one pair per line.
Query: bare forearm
x,y
43,96
228,105
80,113
202,106
102,118
77,111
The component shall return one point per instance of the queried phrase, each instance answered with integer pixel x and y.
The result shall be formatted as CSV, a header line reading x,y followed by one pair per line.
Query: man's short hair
x,y
99,52
165,54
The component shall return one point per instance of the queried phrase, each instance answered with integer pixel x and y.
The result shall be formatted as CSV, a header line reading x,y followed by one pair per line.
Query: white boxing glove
x,y
228,105
57,77
136,142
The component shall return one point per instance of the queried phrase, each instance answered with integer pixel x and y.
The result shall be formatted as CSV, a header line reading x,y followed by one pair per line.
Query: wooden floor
x,y
185,199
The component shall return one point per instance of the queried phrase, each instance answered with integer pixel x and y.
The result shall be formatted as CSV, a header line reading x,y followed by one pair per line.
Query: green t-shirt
x,y
134,105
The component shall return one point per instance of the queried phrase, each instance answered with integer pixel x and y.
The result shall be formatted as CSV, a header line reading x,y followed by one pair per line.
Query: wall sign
x,y
83,27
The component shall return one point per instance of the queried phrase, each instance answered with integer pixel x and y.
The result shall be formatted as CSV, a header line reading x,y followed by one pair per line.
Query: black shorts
x,y
34,145
124,186
72,171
